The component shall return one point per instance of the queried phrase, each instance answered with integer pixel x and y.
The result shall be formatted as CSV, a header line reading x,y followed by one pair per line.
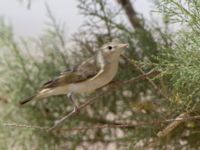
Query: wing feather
x,y
79,73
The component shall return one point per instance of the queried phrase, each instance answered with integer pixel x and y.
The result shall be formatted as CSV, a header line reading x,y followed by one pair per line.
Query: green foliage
x,y
180,62
181,66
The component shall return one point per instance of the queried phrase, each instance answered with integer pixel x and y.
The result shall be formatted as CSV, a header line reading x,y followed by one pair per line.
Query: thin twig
x,y
140,124
24,126
103,126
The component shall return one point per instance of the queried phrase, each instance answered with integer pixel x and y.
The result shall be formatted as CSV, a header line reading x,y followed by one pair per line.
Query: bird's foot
x,y
76,110
57,123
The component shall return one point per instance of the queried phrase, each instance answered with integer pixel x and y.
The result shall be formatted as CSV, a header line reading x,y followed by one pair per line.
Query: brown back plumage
x,y
79,73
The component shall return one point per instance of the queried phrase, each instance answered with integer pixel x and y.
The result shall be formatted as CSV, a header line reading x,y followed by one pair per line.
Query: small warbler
x,y
91,74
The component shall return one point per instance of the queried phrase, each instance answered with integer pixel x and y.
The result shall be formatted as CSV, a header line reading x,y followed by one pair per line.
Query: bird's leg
x,y
75,110
71,98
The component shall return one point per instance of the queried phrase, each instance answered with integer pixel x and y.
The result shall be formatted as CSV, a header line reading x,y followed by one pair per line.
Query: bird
x,y
86,77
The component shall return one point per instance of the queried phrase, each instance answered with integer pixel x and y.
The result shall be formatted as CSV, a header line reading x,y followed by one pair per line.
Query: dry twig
x,y
103,126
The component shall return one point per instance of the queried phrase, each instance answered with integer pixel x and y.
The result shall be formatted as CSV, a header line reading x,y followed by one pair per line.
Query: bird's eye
x,y
110,47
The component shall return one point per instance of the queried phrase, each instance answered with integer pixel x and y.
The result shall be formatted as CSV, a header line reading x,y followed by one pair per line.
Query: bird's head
x,y
114,48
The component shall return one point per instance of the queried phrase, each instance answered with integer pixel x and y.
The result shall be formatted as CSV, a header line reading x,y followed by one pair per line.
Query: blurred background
x,y
40,39
31,21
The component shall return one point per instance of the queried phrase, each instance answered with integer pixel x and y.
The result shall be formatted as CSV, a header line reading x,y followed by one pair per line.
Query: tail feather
x,y
40,95
26,100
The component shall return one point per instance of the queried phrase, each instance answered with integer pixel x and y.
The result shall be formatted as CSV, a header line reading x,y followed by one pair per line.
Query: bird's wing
x,y
84,71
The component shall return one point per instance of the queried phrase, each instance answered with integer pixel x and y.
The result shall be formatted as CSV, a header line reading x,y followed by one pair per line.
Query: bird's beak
x,y
123,46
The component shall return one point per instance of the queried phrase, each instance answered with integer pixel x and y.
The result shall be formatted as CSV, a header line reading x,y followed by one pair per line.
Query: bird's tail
x,y
40,95
27,100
